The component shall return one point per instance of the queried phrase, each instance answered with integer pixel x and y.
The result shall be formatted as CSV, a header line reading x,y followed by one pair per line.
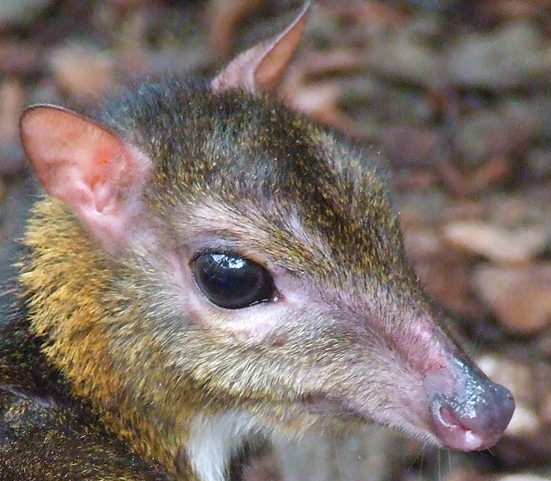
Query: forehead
x,y
311,226
268,177
264,235
277,236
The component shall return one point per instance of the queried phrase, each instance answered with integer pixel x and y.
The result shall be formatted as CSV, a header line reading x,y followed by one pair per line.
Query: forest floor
x,y
455,95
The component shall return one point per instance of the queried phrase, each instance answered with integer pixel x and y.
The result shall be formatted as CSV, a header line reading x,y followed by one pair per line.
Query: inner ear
x,y
88,166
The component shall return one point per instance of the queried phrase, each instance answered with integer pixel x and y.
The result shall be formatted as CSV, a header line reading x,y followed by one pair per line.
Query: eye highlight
x,y
232,281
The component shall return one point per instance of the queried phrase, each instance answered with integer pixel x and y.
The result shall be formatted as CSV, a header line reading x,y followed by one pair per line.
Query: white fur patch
x,y
214,439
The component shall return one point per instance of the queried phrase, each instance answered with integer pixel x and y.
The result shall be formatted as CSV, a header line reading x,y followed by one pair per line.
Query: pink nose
x,y
476,415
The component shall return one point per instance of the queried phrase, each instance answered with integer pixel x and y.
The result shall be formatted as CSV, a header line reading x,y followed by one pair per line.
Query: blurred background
x,y
456,97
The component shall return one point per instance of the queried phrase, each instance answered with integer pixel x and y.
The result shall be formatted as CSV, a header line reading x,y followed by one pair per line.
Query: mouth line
x,y
338,408
331,406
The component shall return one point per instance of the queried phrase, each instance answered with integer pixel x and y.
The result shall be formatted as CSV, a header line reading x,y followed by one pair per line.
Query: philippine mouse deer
x,y
207,268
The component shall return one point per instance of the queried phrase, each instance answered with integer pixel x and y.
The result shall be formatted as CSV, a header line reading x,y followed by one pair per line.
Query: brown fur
x,y
94,310
150,363
76,315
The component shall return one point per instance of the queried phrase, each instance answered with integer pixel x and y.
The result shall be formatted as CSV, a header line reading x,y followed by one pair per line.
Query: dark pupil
x,y
232,281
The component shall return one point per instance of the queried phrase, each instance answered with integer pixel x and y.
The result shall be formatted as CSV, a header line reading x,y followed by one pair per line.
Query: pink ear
x,y
260,68
87,166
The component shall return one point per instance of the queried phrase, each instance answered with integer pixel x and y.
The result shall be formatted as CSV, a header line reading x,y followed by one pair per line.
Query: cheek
x,y
253,324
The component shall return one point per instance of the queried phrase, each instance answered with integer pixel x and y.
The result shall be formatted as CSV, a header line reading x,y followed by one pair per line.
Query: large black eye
x,y
232,281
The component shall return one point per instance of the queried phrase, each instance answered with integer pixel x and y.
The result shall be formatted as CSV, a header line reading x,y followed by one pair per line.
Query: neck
x,y
220,444
90,334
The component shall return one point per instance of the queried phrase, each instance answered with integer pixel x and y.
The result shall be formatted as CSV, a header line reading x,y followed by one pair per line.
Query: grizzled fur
x,y
118,362
265,167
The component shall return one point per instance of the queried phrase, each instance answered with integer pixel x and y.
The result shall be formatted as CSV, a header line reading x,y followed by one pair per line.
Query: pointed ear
x,y
261,68
87,166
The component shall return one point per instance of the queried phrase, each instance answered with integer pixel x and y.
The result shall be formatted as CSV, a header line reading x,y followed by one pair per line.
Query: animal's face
x,y
280,283
248,260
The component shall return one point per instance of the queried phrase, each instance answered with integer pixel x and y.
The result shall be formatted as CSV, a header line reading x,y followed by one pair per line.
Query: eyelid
x,y
230,252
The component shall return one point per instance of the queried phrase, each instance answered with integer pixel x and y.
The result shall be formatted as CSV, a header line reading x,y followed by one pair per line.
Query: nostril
x,y
473,419
446,413
449,429
454,434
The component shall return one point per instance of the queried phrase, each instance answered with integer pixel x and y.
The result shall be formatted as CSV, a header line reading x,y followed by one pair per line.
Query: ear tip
x,y
39,123
304,12
28,116
306,7
302,16
30,121
27,113
33,112
42,108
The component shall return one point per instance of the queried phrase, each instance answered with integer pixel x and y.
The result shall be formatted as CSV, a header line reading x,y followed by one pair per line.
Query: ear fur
x,y
261,68
87,166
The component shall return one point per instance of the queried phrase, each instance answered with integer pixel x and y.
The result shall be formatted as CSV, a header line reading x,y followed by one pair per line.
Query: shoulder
x,y
46,434
43,439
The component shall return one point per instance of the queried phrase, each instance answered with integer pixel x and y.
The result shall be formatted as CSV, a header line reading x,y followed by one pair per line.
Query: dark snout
x,y
475,414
